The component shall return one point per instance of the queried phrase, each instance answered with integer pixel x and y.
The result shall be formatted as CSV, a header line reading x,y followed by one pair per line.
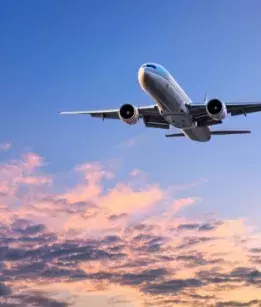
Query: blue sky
x,y
75,55
67,55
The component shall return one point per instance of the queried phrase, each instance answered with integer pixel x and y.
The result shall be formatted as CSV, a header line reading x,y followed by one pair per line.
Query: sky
x,y
99,213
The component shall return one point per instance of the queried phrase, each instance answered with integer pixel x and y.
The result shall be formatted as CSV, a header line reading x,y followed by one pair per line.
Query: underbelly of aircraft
x,y
200,134
180,120
169,100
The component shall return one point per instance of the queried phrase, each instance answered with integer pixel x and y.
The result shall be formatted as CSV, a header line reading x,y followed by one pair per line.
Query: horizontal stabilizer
x,y
220,132
226,132
175,135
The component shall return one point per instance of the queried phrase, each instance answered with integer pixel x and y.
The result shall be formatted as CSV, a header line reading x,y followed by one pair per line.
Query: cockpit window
x,y
150,65
158,70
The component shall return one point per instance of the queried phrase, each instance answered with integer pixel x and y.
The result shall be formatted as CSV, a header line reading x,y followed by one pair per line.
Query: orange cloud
x,y
123,198
124,244
32,160
183,203
91,187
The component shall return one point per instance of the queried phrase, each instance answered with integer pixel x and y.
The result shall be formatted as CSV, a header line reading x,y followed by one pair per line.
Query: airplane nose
x,y
144,77
141,76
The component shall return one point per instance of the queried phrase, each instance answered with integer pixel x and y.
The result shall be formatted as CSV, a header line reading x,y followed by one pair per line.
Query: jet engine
x,y
129,114
216,109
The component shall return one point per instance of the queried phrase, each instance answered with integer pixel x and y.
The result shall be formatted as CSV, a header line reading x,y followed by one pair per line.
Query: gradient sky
x,y
102,214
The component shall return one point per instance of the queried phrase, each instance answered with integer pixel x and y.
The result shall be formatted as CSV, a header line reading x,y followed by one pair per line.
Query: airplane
x,y
173,108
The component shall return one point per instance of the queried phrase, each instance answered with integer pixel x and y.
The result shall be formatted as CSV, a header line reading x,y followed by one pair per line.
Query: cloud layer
x,y
101,242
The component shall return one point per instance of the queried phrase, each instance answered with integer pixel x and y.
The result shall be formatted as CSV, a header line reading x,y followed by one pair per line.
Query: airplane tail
x,y
219,132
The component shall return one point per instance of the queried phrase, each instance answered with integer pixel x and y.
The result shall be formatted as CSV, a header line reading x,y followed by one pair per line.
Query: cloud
x,y
252,303
136,173
4,290
5,146
26,227
115,217
18,178
172,286
35,298
117,243
183,203
200,227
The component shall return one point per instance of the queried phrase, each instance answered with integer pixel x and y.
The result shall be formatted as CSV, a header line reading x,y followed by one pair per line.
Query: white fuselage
x,y
171,100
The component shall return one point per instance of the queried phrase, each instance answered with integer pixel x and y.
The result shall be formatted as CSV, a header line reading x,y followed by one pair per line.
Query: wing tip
x,y
74,113
63,112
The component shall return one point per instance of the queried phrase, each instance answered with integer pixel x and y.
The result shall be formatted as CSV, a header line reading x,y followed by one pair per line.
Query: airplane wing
x,y
219,132
111,114
150,115
199,113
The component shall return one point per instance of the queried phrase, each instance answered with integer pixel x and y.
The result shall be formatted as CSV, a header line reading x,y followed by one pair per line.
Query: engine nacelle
x,y
129,114
216,109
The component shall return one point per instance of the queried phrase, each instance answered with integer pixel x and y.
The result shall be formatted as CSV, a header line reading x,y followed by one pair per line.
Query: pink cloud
x,y
32,160
30,180
183,203
123,198
21,172
136,172
116,242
